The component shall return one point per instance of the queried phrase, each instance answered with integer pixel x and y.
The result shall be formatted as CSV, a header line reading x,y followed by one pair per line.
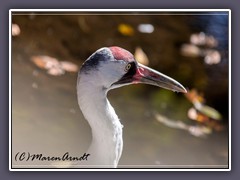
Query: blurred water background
x,y
161,128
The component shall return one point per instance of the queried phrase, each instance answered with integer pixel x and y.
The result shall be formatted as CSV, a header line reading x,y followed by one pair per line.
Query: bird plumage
x,y
106,69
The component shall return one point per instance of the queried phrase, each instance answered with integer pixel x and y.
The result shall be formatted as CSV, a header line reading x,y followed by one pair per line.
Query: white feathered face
x,y
114,67
112,71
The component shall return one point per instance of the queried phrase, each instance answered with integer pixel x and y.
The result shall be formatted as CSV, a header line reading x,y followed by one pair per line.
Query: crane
x,y
109,68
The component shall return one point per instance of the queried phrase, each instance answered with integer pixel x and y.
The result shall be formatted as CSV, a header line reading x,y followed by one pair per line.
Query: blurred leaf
x,y
198,131
193,96
210,112
69,66
54,66
15,30
195,115
212,57
198,100
201,39
145,28
125,29
55,71
170,123
190,50
45,62
140,56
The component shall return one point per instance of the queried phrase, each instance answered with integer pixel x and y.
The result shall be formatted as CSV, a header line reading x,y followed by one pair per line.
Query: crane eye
x,y
128,66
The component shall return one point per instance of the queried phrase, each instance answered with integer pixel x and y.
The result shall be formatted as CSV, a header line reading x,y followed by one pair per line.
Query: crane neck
x,y
106,146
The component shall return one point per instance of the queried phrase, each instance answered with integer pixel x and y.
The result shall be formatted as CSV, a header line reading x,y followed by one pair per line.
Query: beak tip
x,y
184,91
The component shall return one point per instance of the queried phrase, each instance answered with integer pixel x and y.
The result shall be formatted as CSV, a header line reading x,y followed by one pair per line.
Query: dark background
x,y
184,4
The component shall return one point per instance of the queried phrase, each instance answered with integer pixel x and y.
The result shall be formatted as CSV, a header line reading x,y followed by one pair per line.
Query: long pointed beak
x,y
150,76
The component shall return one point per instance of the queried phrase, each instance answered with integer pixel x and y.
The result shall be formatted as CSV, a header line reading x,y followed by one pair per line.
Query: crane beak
x,y
150,76
146,75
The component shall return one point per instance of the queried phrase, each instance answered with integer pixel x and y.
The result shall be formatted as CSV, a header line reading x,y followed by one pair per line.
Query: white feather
x,y
106,147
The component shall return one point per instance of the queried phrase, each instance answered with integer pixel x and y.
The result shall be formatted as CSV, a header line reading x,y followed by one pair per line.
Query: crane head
x,y
113,67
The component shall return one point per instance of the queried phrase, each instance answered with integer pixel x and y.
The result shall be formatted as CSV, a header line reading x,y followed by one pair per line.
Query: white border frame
x,y
169,11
